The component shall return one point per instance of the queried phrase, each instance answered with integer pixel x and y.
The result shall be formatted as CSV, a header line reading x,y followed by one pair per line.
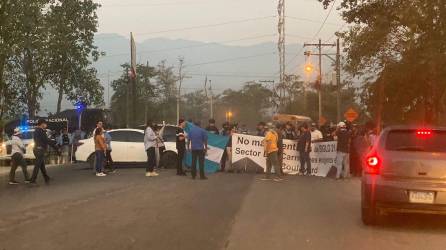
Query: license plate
x,y
421,197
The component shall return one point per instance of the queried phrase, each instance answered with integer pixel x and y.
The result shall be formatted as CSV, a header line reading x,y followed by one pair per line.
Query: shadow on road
x,y
423,223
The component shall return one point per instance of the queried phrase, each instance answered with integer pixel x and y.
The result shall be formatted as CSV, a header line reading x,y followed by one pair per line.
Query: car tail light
x,y
424,133
373,164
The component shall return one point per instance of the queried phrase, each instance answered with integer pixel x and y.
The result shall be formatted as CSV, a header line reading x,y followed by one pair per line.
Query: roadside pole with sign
x,y
80,107
351,115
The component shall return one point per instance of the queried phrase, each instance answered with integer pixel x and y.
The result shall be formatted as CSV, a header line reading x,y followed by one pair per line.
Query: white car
x,y
128,147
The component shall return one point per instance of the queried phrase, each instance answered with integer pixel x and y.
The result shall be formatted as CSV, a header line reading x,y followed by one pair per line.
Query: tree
x,y
145,95
71,26
249,105
194,105
166,92
397,48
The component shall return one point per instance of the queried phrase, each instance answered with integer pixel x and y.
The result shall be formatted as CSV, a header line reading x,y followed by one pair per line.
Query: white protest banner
x,y
247,152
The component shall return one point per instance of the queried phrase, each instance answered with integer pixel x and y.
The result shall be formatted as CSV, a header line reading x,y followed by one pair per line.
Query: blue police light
x,y
80,106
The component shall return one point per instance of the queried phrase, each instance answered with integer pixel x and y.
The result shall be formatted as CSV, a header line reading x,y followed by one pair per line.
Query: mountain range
x,y
227,66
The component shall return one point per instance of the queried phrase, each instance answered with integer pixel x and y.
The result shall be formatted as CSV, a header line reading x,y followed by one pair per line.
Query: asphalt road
x,y
127,210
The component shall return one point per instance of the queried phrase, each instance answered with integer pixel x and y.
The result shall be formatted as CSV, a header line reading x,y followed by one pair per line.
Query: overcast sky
x,y
151,18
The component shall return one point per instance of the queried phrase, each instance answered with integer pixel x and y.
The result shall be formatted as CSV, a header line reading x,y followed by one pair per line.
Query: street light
x,y
229,116
309,68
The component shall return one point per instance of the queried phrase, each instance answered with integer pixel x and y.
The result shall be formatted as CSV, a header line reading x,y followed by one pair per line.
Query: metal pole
x,y
127,115
179,89
320,79
338,81
212,100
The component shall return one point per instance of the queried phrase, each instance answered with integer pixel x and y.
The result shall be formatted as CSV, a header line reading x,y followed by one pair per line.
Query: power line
x,y
149,4
315,35
334,34
230,59
203,26
311,20
325,20
192,46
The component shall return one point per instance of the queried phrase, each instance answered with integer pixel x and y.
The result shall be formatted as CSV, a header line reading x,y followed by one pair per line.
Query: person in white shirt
x,y
316,135
18,149
150,146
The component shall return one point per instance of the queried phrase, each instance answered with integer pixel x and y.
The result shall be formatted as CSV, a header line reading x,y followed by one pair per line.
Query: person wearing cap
x,y
18,149
271,147
41,143
181,146
343,136
304,147
211,128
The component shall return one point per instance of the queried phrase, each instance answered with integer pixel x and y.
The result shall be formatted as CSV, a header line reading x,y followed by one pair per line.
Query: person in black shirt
x,y
289,133
343,136
212,128
304,147
41,142
181,146
226,129
261,131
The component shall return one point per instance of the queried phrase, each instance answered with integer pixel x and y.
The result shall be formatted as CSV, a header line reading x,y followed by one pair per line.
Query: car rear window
x,y
409,140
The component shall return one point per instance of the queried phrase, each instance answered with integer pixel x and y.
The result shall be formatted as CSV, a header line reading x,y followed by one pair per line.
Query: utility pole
x,y
281,48
146,104
319,46
212,99
180,80
338,81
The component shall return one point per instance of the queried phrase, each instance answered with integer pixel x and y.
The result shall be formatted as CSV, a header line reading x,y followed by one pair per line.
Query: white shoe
x,y
154,174
100,174
148,174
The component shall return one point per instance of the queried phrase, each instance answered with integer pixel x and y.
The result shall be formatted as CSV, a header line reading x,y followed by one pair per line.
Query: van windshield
x,y
408,140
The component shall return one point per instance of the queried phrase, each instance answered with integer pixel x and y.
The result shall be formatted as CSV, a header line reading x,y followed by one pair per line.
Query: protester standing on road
x,y
77,136
41,142
198,143
17,151
211,128
271,149
99,124
358,150
63,141
159,145
226,129
108,157
280,132
343,137
289,133
228,151
150,145
181,146
100,151
304,147
316,134
261,129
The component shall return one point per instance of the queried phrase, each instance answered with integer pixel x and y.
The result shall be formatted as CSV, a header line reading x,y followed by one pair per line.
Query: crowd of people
x,y
352,143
